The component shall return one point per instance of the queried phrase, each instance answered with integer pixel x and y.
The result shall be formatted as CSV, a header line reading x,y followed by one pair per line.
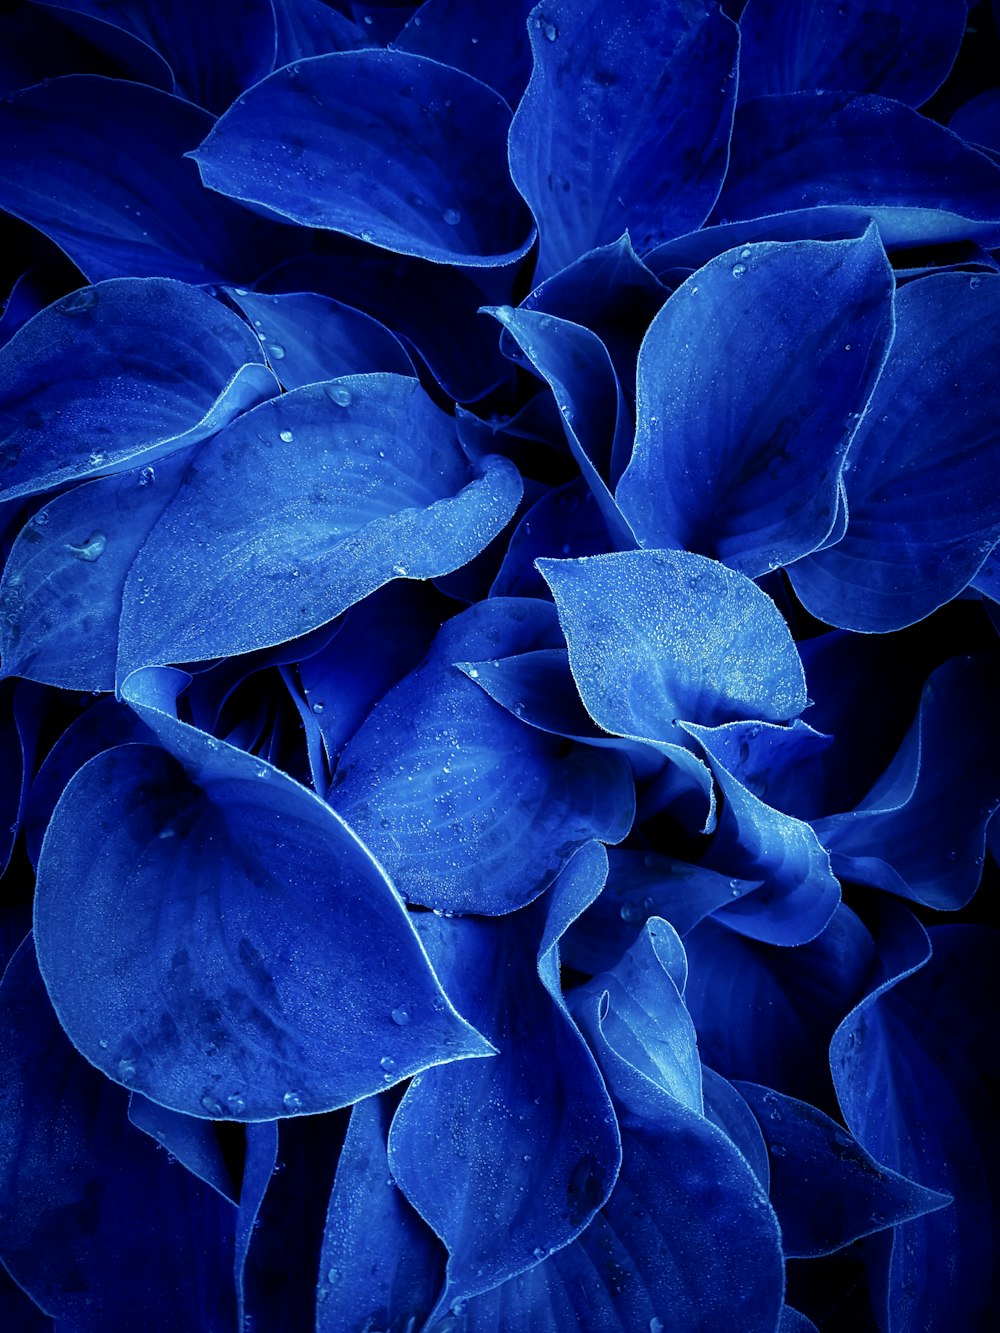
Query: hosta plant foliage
x,y
499,525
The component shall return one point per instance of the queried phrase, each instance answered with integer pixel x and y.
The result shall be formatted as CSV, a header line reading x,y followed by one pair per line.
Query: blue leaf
x,y
346,678
280,1257
213,59
380,1262
923,511
978,120
576,365
470,809
300,509
244,981
407,295
259,1164
811,149
625,123
564,521
900,48
767,1013
909,1067
489,42
120,373
746,467
659,636
921,830
309,338
192,1142
386,146
726,1108
642,885
308,28
510,1164
63,584
139,211
106,723
95,1222
42,41
826,1189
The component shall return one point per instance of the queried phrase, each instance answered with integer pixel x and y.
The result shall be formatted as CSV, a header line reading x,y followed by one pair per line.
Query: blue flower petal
x,y
125,371
826,1189
470,809
625,123
921,830
96,1223
767,1013
900,48
233,987
813,149
746,467
923,511
909,1068
386,146
309,338
300,509
511,1163
193,1142
139,211
380,1262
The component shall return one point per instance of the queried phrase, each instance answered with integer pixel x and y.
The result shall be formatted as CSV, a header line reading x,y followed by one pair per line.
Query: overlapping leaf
x,y
625,123
224,958
746,466
469,808
924,513
311,144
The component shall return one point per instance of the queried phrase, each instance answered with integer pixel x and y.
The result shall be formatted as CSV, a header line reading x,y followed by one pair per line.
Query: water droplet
x,y
236,1102
286,436
341,395
401,1016
778,1150
975,282
276,351
211,1105
92,549
632,913
366,236
241,291
318,707
321,1295
126,1070
332,1275
735,888
452,216
147,476
739,270
96,459
399,571
368,18
387,1063
538,1252
263,773
473,673
656,1325
847,347
292,1101
103,1044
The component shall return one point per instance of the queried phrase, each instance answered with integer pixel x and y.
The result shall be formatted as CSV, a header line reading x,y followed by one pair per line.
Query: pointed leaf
x,y
624,124
470,809
244,980
302,508
139,211
352,137
923,511
125,371
746,467
95,1222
